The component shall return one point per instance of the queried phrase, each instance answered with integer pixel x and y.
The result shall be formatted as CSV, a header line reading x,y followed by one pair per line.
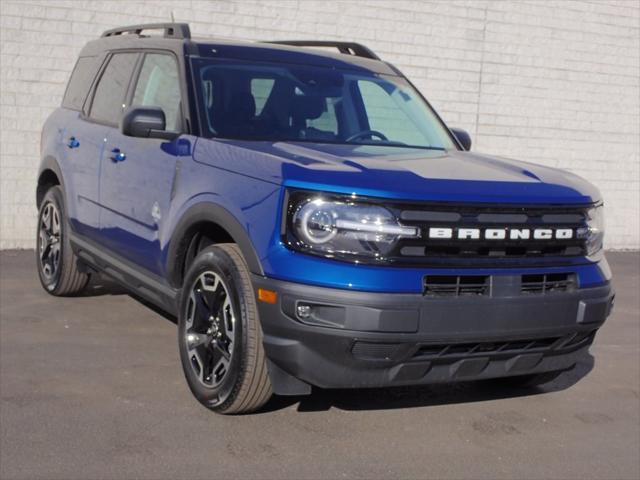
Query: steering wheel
x,y
367,133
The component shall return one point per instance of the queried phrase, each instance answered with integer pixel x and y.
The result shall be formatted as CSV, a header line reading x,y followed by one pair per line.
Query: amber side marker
x,y
267,296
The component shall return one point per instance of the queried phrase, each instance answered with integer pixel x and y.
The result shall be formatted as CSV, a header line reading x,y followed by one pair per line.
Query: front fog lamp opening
x,y
303,311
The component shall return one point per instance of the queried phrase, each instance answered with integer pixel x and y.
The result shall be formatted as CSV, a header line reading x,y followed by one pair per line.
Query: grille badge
x,y
506,233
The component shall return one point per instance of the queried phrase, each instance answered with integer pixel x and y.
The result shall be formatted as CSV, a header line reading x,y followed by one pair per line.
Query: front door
x,y
138,174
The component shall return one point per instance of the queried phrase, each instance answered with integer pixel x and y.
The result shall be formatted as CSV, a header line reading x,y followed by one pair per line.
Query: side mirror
x,y
463,137
145,122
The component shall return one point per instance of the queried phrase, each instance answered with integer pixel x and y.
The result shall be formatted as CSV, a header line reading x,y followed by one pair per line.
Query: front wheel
x,y
219,333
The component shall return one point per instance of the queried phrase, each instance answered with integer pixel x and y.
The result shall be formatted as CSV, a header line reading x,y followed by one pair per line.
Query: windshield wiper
x,y
391,143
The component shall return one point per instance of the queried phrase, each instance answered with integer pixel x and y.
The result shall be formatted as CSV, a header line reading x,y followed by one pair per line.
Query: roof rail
x,y
171,30
350,48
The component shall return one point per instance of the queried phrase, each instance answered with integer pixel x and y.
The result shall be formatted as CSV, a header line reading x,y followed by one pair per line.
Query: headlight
x,y
593,233
341,226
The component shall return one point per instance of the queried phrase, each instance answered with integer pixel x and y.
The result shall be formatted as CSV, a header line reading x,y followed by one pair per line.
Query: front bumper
x,y
360,339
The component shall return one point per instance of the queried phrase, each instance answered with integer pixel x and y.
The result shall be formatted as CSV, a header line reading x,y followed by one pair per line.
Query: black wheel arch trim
x,y
48,163
212,213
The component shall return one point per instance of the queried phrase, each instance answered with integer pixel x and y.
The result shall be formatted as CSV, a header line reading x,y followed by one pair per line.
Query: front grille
x,y
498,285
456,285
512,222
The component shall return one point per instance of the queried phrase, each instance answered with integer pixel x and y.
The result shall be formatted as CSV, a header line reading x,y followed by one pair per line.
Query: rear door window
x,y
109,96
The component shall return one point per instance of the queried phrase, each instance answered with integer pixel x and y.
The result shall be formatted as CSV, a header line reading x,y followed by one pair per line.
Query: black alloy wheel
x,y
59,270
210,329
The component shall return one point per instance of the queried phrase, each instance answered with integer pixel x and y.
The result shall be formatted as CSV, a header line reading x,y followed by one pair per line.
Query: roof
x,y
177,37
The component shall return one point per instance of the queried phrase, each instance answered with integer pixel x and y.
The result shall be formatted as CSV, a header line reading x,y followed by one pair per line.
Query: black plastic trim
x,y
171,30
348,48
322,355
49,163
134,278
207,212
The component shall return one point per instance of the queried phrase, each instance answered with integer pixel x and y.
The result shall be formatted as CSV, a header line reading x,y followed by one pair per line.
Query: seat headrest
x,y
242,106
308,107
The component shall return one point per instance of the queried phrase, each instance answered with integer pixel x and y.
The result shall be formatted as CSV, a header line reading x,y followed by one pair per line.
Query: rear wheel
x,y
57,264
219,333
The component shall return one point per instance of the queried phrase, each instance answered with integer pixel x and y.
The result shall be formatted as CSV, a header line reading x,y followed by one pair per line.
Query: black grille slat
x,y
481,348
456,285
511,347
451,352
563,218
481,249
547,283
518,218
426,216
481,285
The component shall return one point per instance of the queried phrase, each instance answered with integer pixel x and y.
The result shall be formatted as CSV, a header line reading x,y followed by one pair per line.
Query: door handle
x,y
117,155
73,143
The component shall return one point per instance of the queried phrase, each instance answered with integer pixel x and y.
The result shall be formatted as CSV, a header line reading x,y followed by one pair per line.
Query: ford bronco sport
x,y
310,220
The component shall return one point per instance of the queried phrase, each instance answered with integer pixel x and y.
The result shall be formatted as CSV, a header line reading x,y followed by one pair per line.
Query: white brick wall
x,y
553,82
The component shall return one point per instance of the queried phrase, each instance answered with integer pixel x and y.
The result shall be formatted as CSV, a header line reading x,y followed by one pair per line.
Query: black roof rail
x,y
171,30
350,48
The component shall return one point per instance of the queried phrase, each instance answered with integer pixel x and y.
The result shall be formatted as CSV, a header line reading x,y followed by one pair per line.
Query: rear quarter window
x,y
79,83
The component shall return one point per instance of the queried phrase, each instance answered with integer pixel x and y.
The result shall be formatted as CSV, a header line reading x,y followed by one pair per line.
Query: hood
x,y
398,172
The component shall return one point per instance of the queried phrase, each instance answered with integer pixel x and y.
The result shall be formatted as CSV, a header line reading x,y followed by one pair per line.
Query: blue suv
x,y
310,220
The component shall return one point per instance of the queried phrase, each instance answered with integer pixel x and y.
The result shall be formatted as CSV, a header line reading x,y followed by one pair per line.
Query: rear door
x,y
104,109
83,142
136,189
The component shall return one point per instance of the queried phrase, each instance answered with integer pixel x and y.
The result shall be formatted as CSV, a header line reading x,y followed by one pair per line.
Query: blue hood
x,y
398,173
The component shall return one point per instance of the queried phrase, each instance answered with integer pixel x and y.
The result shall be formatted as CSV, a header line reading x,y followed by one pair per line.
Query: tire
x,y
57,264
532,380
219,333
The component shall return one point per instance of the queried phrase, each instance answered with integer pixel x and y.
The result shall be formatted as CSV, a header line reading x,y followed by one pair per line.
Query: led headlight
x,y
594,231
344,227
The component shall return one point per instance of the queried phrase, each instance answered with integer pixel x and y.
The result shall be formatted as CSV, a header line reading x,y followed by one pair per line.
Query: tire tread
x,y
255,387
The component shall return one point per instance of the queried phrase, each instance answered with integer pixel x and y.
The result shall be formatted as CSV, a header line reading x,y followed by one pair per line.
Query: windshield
x,y
278,102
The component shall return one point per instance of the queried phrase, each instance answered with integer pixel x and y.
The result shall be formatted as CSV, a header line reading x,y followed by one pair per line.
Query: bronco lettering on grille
x,y
501,233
